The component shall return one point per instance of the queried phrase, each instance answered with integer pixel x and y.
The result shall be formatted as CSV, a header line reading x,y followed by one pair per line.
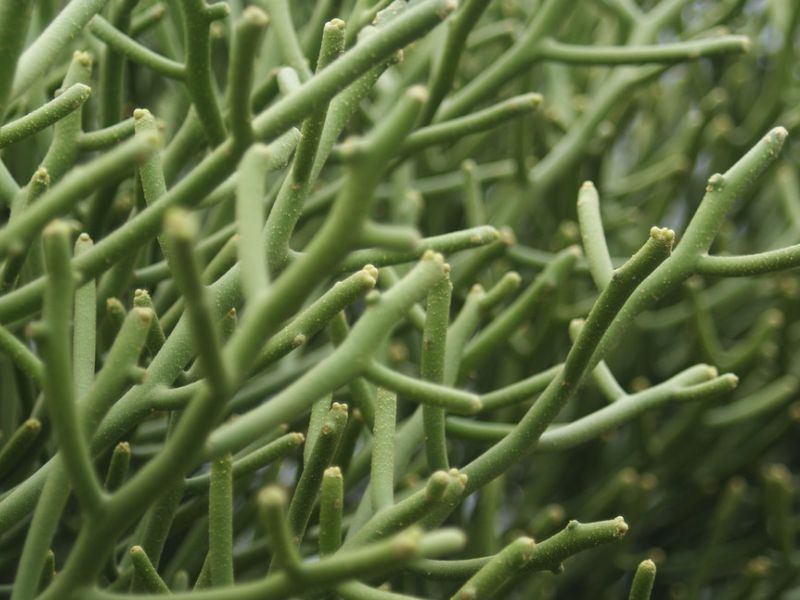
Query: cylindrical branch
x,y
56,109
181,233
477,306
643,580
360,391
441,493
721,523
445,67
547,555
119,369
59,387
455,129
432,366
424,392
197,17
134,51
722,191
371,50
474,210
18,252
487,582
247,35
447,243
582,358
593,236
249,218
272,513
18,352
331,46
338,368
155,336
48,46
762,401
220,522
84,327
15,17
520,391
550,49
249,463
499,330
118,466
698,383
382,472
742,354
76,185
63,151
317,315
101,139
16,447
323,451
146,573
288,43
331,505
779,497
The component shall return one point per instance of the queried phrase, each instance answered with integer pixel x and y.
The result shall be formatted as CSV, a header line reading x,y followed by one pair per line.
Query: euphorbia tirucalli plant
x,y
409,299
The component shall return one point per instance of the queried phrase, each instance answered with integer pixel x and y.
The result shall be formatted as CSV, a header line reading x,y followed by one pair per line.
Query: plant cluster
x,y
391,299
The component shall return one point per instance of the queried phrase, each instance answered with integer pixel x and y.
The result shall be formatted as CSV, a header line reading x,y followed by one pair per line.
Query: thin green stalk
x,y
15,447
432,365
454,129
305,494
197,17
445,67
250,462
272,512
376,559
642,585
594,239
15,18
46,115
77,184
59,385
155,337
18,352
40,55
440,491
247,35
550,49
331,504
446,243
292,194
503,565
146,572
84,330
118,466
135,52
499,330
220,522
249,220
546,555
100,139
288,43
382,472
577,365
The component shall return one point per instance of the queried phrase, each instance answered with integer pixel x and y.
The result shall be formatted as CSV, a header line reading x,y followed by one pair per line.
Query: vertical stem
x,y
434,341
220,522
382,477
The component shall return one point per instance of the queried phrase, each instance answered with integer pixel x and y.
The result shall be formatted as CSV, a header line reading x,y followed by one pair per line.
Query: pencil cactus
x,y
395,299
